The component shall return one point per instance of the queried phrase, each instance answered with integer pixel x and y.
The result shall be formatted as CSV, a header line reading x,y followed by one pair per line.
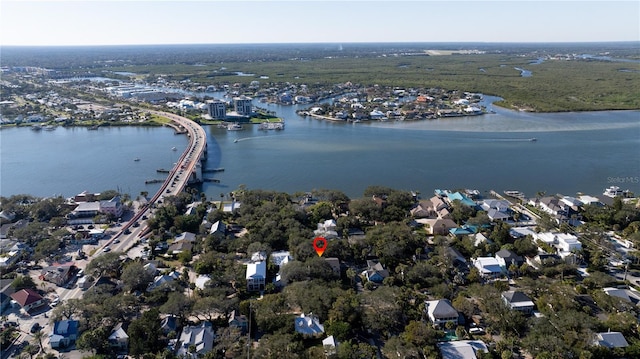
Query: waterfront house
x,y
231,207
499,204
64,333
308,325
28,299
421,210
199,337
437,203
441,312
113,207
256,276
457,196
519,301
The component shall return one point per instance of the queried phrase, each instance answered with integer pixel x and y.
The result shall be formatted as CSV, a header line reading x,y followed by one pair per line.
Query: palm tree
x,y
38,336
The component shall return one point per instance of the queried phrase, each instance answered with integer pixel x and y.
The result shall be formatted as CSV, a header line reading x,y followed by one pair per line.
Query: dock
x,y
154,181
162,170
215,180
210,170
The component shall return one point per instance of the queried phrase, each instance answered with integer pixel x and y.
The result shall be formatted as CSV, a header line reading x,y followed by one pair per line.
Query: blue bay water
x,y
574,152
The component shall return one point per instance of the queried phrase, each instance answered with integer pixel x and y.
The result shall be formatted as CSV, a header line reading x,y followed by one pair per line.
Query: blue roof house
x,y
64,333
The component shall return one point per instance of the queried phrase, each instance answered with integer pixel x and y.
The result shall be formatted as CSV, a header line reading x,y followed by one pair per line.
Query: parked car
x,y
35,327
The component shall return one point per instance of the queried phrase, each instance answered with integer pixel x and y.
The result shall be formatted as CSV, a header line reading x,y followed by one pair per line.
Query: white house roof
x,y
201,337
488,265
256,270
202,280
462,349
521,232
118,333
329,341
281,257
308,324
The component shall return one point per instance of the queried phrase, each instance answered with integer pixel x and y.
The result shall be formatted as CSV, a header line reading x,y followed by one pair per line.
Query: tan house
x,y
437,226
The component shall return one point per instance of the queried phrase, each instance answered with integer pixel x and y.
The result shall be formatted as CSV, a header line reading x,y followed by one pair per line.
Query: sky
x,y
122,22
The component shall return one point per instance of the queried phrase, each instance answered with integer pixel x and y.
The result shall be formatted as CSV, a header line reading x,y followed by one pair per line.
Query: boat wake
x,y
532,139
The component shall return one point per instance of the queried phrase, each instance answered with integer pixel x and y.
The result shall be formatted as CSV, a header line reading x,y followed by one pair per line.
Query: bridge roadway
x,y
176,181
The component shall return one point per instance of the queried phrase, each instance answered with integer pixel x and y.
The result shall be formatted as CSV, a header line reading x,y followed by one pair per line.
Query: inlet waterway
x,y
572,152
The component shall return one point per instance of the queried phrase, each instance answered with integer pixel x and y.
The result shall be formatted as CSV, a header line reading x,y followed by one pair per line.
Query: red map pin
x,y
320,244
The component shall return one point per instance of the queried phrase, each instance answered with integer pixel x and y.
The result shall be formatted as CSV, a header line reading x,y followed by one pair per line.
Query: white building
x,y
217,109
256,276
242,105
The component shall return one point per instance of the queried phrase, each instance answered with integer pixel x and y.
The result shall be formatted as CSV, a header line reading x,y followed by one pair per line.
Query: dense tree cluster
x,y
356,312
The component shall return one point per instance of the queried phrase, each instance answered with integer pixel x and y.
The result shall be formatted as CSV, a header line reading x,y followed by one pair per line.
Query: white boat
x,y
173,149
271,126
615,191
515,194
136,159
234,127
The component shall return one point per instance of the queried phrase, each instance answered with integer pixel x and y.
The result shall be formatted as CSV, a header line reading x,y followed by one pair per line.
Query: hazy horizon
x,y
119,23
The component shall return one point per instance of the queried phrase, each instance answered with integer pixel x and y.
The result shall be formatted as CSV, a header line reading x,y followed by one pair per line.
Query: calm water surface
x,y
574,152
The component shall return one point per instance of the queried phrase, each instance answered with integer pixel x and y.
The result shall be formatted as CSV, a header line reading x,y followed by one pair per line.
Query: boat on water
x,y
533,139
234,127
235,141
49,128
271,126
615,191
136,159
173,149
36,128
515,194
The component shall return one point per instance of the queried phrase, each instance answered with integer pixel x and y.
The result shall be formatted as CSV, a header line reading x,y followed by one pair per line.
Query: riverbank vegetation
x,y
555,85
560,80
